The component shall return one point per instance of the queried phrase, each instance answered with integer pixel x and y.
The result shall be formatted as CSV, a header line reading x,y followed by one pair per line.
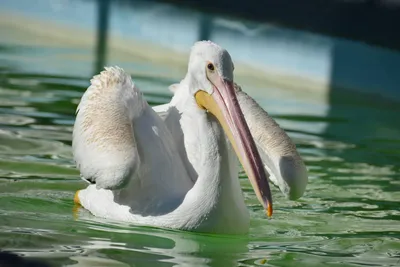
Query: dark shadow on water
x,y
8,259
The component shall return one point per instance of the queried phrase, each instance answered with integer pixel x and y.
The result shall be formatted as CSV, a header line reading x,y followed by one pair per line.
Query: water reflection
x,y
370,127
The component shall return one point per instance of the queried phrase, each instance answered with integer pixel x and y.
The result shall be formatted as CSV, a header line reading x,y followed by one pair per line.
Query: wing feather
x,y
104,144
278,153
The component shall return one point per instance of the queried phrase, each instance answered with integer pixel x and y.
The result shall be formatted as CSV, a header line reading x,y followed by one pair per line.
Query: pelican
x,y
176,165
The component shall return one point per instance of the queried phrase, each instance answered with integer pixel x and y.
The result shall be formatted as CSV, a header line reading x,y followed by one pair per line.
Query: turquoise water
x,y
349,215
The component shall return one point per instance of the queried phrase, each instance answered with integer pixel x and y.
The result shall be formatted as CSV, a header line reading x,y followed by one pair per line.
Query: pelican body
x,y
176,165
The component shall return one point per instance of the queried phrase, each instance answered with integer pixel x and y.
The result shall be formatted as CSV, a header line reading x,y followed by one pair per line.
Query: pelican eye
x,y
210,66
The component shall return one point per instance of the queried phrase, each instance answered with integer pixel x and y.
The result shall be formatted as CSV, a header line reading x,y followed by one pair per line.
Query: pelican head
x,y
211,70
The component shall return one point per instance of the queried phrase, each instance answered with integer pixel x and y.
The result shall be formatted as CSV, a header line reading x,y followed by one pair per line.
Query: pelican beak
x,y
223,104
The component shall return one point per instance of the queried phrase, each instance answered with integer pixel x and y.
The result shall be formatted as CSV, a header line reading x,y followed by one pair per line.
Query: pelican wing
x,y
104,144
118,138
278,152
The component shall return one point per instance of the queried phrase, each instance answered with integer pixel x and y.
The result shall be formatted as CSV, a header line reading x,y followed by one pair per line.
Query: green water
x,y
349,215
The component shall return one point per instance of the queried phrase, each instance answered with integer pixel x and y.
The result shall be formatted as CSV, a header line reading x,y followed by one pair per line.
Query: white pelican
x,y
175,166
